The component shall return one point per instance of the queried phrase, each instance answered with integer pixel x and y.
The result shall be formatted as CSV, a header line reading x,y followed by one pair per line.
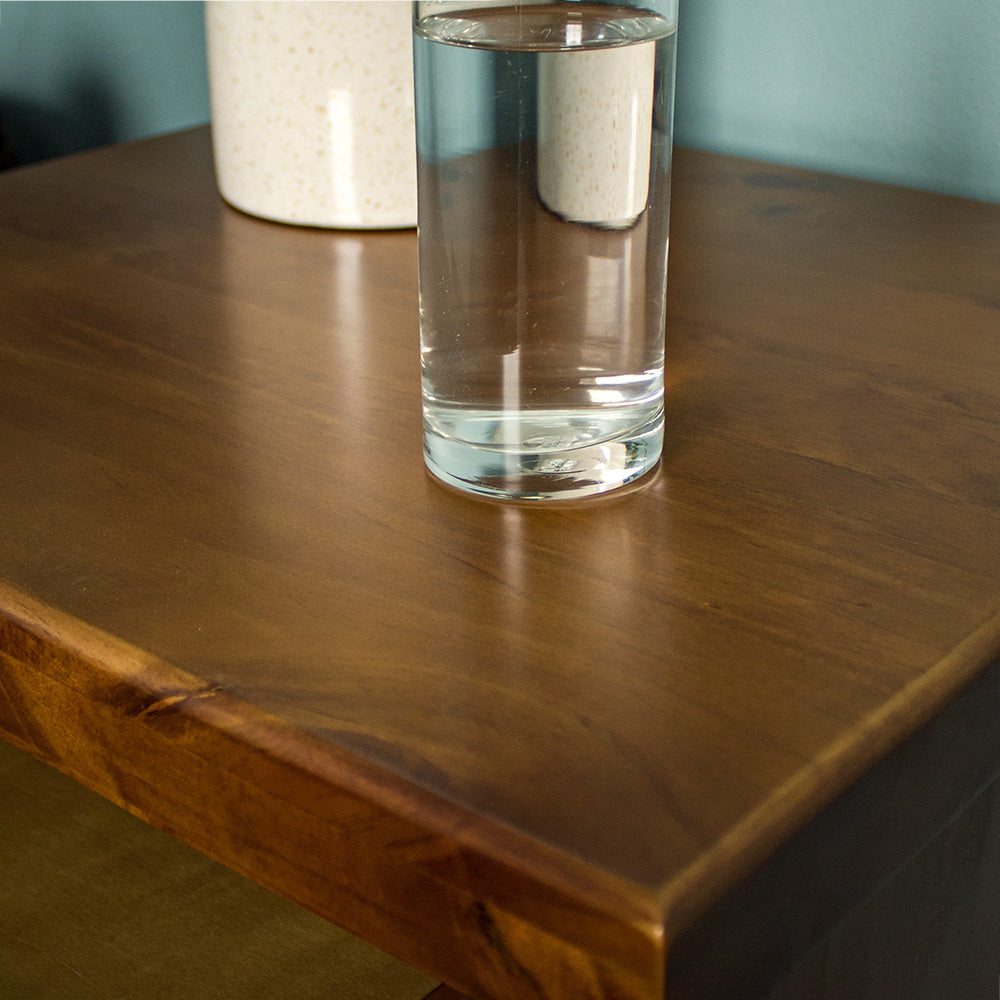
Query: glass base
x,y
562,455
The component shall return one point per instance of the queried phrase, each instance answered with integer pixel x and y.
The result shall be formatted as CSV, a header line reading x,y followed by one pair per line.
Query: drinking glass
x,y
544,138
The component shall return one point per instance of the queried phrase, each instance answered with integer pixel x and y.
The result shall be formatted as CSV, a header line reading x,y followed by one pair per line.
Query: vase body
x,y
312,110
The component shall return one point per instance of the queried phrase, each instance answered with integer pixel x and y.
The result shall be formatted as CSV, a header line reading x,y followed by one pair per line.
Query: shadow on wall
x,y
86,117
8,158
77,75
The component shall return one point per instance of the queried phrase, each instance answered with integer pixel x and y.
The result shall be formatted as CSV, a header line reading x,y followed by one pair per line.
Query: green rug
x,y
97,905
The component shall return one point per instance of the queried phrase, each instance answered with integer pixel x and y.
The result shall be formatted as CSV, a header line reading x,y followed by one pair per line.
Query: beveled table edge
x,y
505,887
792,805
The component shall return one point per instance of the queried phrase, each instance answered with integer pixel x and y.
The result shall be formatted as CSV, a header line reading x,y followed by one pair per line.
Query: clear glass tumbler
x,y
544,139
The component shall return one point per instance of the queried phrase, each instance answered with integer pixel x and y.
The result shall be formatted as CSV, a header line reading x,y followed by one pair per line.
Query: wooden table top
x,y
234,601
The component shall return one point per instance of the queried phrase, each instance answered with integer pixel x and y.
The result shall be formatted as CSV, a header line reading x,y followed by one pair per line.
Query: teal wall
x,y
906,91
74,75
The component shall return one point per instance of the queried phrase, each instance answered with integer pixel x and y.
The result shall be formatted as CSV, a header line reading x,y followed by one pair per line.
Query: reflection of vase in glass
x,y
543,244
595,117
312,110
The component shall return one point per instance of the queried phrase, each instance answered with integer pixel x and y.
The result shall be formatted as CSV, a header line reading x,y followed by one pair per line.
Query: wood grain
x,y
237,604
444,992
318,825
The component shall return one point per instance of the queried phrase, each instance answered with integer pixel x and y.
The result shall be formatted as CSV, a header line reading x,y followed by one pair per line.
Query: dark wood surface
x,y
525,749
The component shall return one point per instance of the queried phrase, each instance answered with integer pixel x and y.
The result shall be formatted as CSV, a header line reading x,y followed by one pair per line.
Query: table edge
x,y
507,885
810,789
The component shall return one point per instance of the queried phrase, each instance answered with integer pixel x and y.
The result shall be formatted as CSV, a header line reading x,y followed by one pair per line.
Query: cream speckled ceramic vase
x,y
312,110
